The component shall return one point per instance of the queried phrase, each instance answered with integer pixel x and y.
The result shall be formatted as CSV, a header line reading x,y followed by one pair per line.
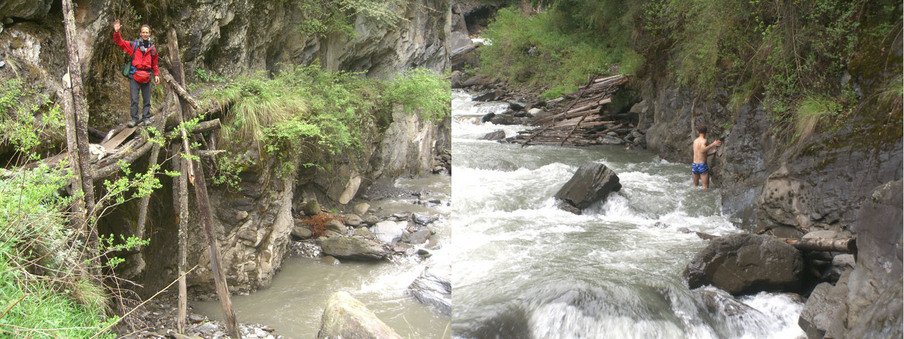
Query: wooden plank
x,y
116,140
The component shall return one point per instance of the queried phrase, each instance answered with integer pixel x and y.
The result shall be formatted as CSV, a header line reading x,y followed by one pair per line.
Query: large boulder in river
x,y
824,307
355,247
591,183
746,264
875,298
434,287
346,317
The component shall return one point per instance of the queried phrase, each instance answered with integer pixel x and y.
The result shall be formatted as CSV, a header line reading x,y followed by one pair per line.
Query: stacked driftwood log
x,y
581,118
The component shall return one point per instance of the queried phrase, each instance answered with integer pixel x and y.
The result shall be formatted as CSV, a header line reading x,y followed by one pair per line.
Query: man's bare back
x,y
699,169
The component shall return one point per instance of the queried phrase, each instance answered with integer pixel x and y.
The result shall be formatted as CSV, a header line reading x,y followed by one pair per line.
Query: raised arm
x,y
117,38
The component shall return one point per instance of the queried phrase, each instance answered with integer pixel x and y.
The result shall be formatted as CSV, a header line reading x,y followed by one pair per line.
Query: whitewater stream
x,y
525,269
294,303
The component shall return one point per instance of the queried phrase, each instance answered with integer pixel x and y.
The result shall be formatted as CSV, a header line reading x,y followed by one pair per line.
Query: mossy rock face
x,y
24,9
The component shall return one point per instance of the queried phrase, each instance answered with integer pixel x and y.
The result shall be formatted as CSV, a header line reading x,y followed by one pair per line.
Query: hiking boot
x,y
144,122
132,123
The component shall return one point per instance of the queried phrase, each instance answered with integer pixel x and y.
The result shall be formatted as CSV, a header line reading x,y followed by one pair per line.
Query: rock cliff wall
x,y
770,182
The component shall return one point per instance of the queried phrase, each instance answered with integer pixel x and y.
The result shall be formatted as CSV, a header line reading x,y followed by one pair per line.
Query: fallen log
x,y
181,91
846,245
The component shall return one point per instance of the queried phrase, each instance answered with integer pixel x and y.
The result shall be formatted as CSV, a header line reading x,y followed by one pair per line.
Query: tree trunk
x,y
180,189
219,275
847,245
72,149
155,152
81,119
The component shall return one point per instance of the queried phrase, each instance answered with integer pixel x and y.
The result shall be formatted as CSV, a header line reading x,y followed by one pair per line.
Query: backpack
x,y
127,69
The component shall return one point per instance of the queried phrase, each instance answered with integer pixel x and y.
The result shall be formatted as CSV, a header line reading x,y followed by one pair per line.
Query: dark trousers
x,y
145,89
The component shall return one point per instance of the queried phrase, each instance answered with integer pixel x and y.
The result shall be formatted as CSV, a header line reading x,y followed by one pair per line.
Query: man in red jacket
x,y
144,62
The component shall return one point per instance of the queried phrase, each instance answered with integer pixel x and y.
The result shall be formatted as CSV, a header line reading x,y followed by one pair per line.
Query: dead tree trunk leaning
x,y
155,152
79,105
180,195
72,150
198,182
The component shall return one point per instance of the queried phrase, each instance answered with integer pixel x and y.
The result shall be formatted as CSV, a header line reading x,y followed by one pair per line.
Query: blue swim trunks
x,y
700,168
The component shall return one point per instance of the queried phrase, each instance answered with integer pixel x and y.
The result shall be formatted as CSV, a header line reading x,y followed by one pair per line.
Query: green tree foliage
x,y
424,91
540,51
324,17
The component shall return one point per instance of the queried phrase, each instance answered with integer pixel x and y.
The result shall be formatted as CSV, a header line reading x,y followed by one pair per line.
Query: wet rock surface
x,y
346,317
591,183
434,287
745,264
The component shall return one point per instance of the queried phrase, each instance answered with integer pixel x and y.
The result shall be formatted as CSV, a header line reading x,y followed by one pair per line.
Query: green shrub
x,y
40,284
541,51
27,117
423,90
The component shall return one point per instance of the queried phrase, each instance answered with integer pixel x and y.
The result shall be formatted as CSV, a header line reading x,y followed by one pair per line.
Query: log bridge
x,y
580,122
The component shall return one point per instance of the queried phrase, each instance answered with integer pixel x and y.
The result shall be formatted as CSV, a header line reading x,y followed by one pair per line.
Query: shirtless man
x,y
701,151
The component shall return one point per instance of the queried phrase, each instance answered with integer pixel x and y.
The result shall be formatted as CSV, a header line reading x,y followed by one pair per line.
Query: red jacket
x,y
145,61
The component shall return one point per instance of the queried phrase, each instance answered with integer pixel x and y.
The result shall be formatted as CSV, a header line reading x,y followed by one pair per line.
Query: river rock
x,y
434,287
353,220
423,219
487,117
506,119
591,183
336,226
364,232
361,208
330,260
346,317
371,219
311,208
489,96
721,303
389,231
824,308
355,247
495,135
745,264
418,237
302,232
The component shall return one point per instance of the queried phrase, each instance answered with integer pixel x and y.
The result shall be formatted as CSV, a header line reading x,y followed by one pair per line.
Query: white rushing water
x,y
525,269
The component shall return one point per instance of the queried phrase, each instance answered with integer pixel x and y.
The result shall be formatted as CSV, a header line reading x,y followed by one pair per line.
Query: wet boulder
x,y
591,183
875,290
346,317
745,264
494,135
434,287
489,96
823,314
389,232
355,247
417,238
